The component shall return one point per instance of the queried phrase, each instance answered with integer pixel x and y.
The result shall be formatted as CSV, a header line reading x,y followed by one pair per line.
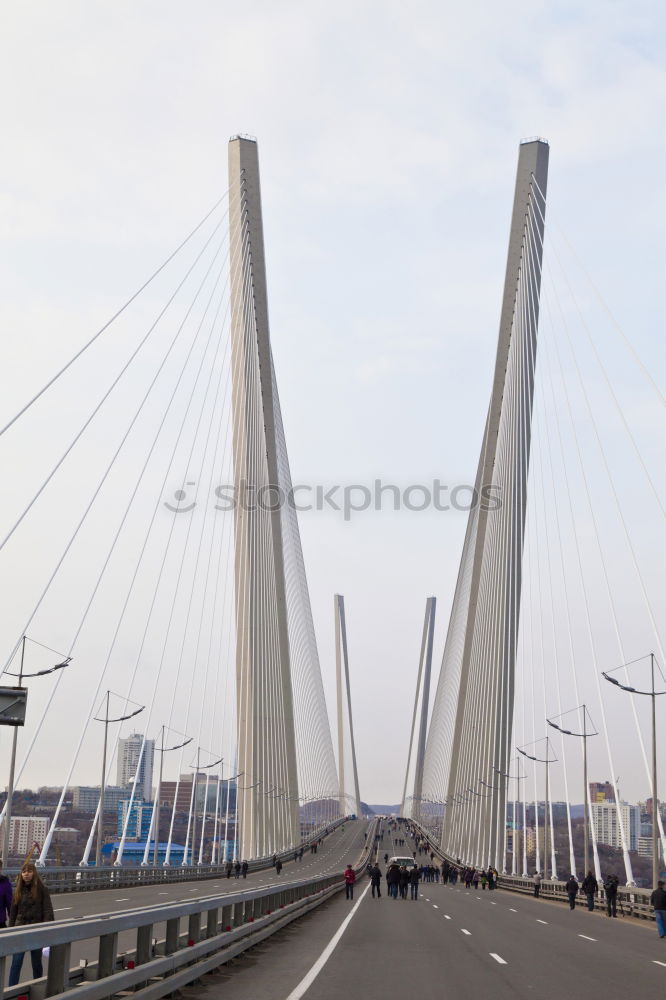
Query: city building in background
x,y
607,831
184,796
138,827
129,751
86,797
601,791
24,831
133,853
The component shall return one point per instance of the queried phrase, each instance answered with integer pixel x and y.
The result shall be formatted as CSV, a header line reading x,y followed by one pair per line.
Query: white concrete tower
x,y
267,803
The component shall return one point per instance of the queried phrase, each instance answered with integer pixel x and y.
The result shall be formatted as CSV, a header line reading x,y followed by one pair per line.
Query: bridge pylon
x,y
424,672
344,707
468,747
267,796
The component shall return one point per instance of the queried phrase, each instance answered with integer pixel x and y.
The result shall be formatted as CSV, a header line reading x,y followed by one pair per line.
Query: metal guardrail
x,y
77,879
218,929
631,902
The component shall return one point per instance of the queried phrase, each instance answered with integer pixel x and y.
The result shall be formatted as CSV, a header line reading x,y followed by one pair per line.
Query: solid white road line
x,y
59,909
308,979
468,933
498,958
586,937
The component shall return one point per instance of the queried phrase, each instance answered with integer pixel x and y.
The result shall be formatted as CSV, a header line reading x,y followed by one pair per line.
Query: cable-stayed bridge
x,y
193,620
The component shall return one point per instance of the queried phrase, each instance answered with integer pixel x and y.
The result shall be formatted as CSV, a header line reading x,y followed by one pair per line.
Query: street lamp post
x,y
652,693
102,788
194,801
517,778
547,760
584,736
12,763
156,825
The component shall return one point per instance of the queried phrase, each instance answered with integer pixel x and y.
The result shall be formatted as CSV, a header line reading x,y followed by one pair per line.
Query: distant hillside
x,y
384,810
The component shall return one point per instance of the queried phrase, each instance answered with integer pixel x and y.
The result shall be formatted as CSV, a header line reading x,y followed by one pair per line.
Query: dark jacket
x,y
375,875
590,885
572,886
29,910
6,893
414,876
658,899
611,884
393,874
404,876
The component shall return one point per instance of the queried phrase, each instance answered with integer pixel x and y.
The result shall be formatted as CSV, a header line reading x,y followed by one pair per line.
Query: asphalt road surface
x,y
342,846
449,943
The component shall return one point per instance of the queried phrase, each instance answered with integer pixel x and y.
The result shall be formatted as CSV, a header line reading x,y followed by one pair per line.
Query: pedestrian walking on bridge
x,y
375,874
572,891
31,904
393,880
590,887
658,901
537,884
611,884
6,896
414,876
350,878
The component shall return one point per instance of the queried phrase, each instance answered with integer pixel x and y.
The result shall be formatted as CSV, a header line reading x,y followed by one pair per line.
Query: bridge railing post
x,y
144,944
57,979
171,942
107,955
211,922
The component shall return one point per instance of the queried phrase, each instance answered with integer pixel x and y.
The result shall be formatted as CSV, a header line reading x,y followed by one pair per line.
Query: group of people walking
x,y
589,887
400,881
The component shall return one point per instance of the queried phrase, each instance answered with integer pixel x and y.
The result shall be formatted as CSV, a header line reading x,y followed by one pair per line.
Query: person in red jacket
x,y
350,878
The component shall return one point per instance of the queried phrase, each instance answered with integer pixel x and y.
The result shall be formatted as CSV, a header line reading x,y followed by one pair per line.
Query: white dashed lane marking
x,y
59,909
655,962
586,937
125,899
498,958
435,906
512,909
541,921
468,933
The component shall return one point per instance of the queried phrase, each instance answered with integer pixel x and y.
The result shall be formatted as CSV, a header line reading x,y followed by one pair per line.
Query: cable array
x,y
196,608
555,589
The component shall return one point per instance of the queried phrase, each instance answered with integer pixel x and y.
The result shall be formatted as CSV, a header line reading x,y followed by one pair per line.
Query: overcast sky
x,y
388,138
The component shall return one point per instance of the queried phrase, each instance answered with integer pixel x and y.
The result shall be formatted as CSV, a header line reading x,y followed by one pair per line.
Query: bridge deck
x,y
451,943
343,845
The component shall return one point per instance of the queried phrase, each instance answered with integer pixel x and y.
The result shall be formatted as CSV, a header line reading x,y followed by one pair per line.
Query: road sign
x,y
13,702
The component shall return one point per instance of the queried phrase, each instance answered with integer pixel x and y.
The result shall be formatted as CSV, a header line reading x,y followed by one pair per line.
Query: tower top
x,y
534,138
243,135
